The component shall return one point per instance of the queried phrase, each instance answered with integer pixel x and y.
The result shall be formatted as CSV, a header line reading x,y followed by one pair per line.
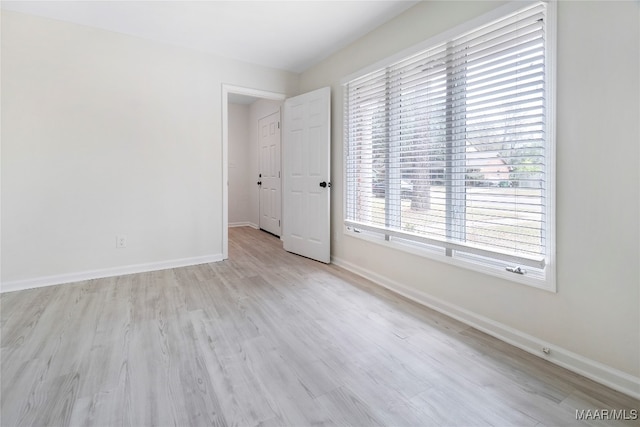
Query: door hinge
x,y
278,125
278,223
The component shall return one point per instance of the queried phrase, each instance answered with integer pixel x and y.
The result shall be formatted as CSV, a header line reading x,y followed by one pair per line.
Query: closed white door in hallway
x,y
269,179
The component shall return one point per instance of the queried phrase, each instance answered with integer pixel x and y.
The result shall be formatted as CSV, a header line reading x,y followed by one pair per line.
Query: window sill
x,y
544,280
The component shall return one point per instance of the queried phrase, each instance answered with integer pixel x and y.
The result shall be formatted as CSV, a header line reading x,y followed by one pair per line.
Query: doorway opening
x,y
246,115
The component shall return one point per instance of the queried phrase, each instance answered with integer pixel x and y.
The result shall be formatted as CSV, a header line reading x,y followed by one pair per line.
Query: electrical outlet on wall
x,y
121,241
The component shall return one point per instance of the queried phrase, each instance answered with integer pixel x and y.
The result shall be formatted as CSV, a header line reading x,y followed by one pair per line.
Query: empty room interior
x,y
292,213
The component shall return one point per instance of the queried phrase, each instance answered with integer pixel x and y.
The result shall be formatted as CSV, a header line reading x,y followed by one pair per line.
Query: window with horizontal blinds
x,y
449,147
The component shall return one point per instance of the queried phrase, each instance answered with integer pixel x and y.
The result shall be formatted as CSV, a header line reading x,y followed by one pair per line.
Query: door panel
x,y
270,187
306,157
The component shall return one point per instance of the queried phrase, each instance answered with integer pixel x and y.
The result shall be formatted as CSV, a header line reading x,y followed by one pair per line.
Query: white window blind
x,y
449,147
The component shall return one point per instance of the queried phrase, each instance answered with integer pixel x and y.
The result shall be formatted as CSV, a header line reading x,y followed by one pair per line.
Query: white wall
x,y
105,134
592,323
241,152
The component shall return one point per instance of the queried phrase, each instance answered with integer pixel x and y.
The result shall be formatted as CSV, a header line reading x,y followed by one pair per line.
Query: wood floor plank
x,y
267,338
243,397
348,409
22,408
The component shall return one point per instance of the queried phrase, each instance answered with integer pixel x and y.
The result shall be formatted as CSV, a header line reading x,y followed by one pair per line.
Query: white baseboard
x,y
243,224
39,282
599,372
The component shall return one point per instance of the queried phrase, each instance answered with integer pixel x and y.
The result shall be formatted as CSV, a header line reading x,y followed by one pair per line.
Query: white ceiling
x,y
288,35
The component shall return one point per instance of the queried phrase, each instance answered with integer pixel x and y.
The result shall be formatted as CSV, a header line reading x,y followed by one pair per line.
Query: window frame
x,y
544,278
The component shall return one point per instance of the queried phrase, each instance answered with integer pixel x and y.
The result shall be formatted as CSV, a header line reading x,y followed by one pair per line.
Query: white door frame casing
x,y
226,90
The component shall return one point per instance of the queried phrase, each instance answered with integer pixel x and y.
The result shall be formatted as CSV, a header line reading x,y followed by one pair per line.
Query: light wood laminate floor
x,y
267,338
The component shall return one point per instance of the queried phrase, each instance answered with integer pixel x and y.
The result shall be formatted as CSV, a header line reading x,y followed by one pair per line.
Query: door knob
x,y
323,184
259,182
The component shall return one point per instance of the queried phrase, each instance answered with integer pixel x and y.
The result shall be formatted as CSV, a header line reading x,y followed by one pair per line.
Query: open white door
x,y
306,181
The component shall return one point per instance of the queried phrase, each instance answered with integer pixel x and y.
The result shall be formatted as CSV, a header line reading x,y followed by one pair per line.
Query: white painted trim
x,y
39,282
243,224
436,253
551,56
599,372
226,90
